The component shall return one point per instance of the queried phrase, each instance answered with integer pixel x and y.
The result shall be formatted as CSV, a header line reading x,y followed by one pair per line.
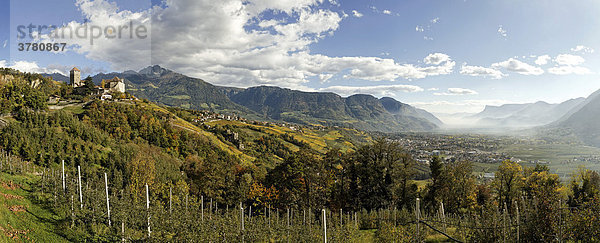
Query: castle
x,y
109,85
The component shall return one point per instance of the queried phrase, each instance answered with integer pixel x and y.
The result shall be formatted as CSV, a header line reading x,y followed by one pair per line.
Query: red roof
x,y
75,69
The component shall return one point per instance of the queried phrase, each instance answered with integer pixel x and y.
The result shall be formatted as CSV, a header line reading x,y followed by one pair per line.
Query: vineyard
x,y
88,207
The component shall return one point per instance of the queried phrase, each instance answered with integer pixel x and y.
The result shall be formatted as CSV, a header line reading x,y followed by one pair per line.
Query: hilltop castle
x,y
109,85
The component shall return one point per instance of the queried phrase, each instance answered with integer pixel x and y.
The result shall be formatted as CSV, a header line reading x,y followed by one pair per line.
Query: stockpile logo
x,y
92,28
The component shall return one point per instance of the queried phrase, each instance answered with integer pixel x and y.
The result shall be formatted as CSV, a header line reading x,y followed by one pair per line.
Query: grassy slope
x,y
21,219
318,140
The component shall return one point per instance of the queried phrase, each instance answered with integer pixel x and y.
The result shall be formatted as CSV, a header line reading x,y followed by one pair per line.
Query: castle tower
x,y
75,78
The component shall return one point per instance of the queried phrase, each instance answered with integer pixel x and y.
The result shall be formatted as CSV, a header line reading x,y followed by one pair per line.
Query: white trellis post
x,y
148,208
63,175
341,219
324,226
80,194
107,201
170,200
123,231
242,220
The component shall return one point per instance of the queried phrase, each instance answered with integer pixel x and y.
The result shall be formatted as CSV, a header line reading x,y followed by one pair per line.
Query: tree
x,y
455,187
141,172
382,174
543,191
302,180
585,186
507,182
89,85
436,167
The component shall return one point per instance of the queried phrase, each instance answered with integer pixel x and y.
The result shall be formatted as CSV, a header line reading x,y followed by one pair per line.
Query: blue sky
x,y
445,56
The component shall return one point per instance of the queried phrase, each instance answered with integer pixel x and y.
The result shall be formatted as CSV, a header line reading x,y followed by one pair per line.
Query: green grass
x,y
557,155
22,220
180,97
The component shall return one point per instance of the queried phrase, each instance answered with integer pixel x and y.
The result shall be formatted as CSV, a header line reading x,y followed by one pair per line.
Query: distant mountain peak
x,y
154,71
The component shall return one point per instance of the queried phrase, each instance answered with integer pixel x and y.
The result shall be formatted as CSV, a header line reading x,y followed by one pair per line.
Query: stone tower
x,y
76,78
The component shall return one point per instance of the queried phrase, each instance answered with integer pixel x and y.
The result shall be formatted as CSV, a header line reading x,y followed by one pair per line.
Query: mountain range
x,y
575,118
524,115
270,103
583,121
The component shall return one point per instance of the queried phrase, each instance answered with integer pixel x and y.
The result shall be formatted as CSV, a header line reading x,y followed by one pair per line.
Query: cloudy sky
x,y
445,56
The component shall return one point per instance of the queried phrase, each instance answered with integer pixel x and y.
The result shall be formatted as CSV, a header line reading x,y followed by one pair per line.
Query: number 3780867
x,y
42,46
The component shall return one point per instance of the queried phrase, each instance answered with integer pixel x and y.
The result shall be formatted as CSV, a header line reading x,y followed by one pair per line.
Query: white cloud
x,y
379,69
458,91
419,28
436,58
356,14
30,67
433,89
380,90
427,38
564,70
385,11
5,43
569,64
435,20
519,67
581,48
334,2
324,77
542,60
470,106
235,44
127,52
481,71
568,59
502,31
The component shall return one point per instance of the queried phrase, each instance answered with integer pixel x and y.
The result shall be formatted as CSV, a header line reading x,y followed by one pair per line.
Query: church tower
x,y
76,77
